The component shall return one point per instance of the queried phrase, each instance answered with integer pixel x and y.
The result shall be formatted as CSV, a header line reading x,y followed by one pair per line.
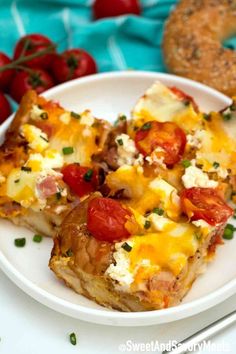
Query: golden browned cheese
x,y
193,39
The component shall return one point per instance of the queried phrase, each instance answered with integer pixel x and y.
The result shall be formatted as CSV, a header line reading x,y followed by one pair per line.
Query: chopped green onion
x,y
158,211
68,150
207,117
26,169
58,195
186,102
69,253
17,180
37,238
88,175
126,247
45,139
229,232
227,116
233,106
123,117
147,224
216,164
120,142
197,235
186,163
20,242
44,116
73,339
146,126
75,115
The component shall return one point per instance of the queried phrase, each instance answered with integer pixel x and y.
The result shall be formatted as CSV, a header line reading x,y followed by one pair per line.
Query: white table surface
x,y
27,327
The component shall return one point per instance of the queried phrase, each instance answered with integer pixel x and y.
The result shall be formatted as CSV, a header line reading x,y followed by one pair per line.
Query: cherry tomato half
x,y
38,80
5,108
205,203
81,180
108,8
72,64
106,219
33,43
184,97
167,136
6,75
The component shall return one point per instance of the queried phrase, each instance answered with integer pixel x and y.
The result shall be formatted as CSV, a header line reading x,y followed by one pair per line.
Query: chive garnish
x,y
147,224
227,116
146,126
26,169
158,211
45,139
207,116
20,242
58,195
37,238
73,339
234,216
44,115
88,175
186,163
17,180
229,232
216,164
120,142
126,247
68,150
123,117
75,115
69,253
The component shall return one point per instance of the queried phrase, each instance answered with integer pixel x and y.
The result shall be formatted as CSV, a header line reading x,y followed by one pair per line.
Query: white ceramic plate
x,y
107,95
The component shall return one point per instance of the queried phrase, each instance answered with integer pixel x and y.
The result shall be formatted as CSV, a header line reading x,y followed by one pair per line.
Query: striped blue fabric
x,y
127,42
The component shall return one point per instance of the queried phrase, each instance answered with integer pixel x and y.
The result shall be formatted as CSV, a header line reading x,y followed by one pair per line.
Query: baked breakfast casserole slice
x,y
142,247
46,165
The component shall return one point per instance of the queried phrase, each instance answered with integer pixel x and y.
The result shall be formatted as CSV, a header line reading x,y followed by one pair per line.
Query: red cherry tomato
x,y
106,219
167,136
38,80
6,75
184,97
205,203
108,8
72,64
81,180
5,108
33,43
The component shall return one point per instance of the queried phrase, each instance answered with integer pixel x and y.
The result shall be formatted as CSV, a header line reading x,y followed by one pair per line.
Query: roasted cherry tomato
x,y
72,64
81,180
33,43
6,75
108,8
167,136
184,97
38,80
5,108
107,218
205,203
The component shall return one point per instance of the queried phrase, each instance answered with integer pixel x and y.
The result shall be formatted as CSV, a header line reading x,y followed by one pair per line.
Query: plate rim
x,y
104,316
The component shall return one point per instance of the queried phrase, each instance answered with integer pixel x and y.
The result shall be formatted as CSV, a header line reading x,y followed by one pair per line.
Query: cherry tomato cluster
x,y
36,64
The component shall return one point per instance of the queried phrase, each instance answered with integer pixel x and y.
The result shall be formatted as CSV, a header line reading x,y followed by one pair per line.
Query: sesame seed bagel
x,y
192,43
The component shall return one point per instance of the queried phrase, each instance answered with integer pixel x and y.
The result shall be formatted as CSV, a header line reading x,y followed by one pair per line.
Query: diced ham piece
x,y
47,187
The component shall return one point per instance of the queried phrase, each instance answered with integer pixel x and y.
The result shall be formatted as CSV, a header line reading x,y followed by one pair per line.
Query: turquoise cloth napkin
x,y
121,43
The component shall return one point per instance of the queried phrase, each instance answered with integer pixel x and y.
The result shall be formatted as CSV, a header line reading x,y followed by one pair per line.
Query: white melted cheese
x,y
36,112
36,138
195,177
126,150
160,103
120,271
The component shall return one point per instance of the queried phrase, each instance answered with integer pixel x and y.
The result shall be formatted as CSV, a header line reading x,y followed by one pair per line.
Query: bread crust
x,y
192,43
80,261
